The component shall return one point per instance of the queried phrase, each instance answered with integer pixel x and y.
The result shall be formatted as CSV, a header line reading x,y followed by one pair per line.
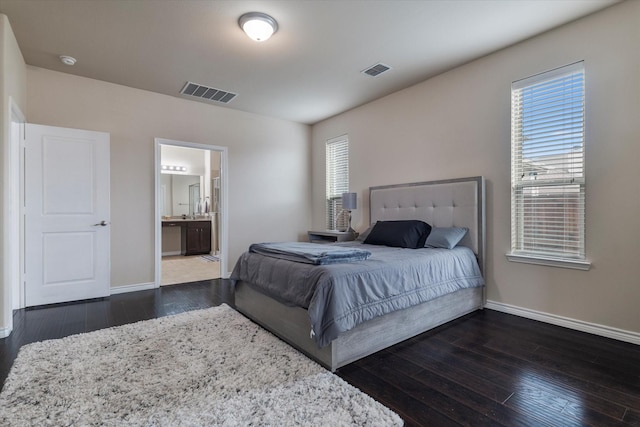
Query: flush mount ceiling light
x,y
258,26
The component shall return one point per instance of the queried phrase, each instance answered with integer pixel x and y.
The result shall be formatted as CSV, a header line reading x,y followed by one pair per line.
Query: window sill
x,y
550,262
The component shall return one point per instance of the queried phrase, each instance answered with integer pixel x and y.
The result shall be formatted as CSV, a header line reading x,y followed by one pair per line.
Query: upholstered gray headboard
x,y
447,203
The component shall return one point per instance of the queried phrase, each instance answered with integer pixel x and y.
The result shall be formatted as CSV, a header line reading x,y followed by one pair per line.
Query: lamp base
x,y
343,220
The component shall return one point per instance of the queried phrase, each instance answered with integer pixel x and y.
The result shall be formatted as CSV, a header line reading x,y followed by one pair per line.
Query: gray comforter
x,y
310,253
340,296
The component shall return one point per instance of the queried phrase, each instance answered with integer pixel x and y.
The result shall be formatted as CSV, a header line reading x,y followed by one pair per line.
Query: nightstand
x,y
330,236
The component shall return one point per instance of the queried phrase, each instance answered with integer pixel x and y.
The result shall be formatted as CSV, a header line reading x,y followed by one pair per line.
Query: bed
x,y
444,203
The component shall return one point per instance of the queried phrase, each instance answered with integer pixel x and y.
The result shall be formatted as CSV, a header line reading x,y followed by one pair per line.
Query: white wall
x,y
12,85
269,181
191,158
458,124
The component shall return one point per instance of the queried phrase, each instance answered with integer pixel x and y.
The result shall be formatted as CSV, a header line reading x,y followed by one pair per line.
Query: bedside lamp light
x,y
349,203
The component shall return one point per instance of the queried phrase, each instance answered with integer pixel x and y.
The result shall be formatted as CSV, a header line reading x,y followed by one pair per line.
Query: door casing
x,y
13,244
224,222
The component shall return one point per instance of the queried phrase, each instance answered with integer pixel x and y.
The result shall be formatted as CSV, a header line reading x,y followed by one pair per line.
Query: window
x,y
337,177
547,168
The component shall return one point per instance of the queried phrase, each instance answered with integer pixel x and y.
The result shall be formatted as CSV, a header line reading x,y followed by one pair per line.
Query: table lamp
x,y
349,203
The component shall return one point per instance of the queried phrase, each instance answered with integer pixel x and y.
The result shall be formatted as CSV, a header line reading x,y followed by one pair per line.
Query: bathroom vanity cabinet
x,y
195,236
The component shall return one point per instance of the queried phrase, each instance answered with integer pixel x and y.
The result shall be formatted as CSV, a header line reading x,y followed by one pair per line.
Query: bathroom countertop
x,y
185,219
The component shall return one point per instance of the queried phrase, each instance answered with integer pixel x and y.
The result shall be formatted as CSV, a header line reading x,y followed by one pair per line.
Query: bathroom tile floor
x,y
181,269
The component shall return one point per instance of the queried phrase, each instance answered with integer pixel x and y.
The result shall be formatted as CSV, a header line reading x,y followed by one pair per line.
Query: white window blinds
x,y
547,164
337,176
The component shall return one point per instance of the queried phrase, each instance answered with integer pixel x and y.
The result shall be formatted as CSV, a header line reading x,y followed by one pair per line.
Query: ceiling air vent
x,y
376,70
206,92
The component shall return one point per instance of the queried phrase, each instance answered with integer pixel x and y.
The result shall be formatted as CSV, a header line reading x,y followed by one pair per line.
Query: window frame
x,y
563,170
337,177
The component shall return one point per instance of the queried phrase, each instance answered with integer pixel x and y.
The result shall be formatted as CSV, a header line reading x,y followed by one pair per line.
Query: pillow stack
x,y
412,234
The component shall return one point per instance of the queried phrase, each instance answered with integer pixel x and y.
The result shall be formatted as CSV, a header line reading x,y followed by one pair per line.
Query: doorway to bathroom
x,y
191,238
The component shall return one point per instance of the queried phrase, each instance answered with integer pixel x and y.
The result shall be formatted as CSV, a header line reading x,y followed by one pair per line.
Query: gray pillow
x,y
365,233
445,237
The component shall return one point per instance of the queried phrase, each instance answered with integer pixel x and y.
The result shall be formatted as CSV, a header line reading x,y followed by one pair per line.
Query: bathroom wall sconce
x,y
258,26
171,168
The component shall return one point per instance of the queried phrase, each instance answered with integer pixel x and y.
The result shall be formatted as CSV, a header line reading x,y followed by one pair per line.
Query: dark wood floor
x,y
488,368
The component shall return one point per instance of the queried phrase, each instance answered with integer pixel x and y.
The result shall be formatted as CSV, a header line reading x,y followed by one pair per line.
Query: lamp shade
x,y
349,201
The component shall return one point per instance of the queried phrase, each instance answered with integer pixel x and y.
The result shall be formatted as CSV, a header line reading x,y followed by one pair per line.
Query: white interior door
x,y
67,231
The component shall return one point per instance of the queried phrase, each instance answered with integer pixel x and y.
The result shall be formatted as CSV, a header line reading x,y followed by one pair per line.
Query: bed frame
x,y
446,203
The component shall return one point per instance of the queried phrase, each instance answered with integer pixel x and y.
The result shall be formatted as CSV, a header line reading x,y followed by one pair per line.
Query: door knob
x,y
102,223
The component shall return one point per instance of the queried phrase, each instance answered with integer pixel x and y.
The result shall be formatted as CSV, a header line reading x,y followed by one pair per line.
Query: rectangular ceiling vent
x,y
206,92
376,70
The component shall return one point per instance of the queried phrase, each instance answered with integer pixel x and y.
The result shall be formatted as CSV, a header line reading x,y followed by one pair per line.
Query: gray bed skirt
x,y
292,324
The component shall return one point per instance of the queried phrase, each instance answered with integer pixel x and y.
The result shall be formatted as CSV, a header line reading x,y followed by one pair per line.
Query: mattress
x,y
338,297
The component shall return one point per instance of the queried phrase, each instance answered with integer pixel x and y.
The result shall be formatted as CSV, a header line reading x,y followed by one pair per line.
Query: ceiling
x,y
308,71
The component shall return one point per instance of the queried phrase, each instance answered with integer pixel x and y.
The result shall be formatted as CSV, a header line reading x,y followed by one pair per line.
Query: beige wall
x,y
458,124
12,84
269,181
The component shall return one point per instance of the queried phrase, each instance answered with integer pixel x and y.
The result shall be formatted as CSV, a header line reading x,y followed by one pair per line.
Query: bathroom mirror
x,y
180,194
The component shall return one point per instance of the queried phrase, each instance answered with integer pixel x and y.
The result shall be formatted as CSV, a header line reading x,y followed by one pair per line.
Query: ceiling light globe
x,y
258,26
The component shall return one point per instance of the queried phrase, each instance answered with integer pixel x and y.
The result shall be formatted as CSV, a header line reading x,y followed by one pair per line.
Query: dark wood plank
x,y
454,371
486,368
574,341
483,397
576,367
517,375
433,394
475,370
411,410
632,418
585,387
73,319
98,315
593,358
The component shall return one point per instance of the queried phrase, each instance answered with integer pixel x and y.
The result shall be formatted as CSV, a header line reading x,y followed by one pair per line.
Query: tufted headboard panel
x,y
447,203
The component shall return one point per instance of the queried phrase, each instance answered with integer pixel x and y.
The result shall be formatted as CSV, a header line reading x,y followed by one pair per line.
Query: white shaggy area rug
x,y
200,368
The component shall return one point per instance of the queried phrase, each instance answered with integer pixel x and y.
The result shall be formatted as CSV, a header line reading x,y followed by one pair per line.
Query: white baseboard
x,y
579,325
5,332
171,253
132,288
